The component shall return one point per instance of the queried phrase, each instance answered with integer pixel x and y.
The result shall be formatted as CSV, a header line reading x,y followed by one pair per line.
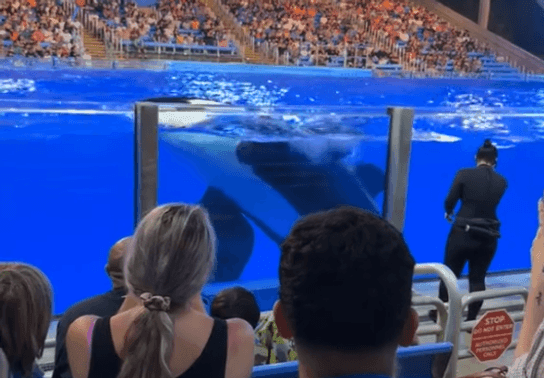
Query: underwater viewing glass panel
x,y
258,170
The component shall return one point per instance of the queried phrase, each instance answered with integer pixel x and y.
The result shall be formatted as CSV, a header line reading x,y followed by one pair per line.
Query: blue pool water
x,y
67,186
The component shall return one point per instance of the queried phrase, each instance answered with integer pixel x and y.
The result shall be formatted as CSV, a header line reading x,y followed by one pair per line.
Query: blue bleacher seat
x,y
8,43
389,67
304,61
283,370
422,361
335,63
189,31
194,48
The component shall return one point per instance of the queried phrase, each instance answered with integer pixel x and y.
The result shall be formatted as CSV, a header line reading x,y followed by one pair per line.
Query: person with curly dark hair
x,y
345,294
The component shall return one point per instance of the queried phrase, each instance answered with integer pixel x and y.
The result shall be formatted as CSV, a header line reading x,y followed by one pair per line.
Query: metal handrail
x,y
442,309
492,294
453,322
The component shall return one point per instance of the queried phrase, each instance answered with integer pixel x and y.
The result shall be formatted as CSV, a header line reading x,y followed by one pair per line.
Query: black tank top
x,y
105,363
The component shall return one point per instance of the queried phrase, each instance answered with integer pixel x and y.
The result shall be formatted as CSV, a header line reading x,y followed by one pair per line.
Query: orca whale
x,y
187,117
181,100
272,184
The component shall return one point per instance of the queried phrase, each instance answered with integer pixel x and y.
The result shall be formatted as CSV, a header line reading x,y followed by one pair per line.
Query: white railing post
x,y
455,306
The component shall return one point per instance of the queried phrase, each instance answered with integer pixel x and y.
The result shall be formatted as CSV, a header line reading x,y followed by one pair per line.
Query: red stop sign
x,y
492,335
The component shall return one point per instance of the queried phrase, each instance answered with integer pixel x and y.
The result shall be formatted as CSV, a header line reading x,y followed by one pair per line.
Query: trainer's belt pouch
x,y
479,227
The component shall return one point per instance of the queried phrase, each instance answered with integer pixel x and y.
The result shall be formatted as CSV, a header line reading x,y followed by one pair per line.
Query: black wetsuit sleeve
x,y
454,194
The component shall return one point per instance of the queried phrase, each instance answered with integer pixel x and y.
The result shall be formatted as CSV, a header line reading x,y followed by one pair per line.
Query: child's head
x,y
236,302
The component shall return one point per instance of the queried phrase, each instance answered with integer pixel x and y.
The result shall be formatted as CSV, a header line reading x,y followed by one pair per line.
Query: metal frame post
x,y
146,152
398,162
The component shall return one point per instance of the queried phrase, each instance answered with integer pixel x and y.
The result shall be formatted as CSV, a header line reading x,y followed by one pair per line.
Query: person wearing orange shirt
x,y
38,36
387,5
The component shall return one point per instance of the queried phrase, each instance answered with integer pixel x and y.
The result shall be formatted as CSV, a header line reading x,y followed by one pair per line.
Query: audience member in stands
x,y
366,31
25,314
185,23
236,302
345,294
39,30
102,305
270,347
162,329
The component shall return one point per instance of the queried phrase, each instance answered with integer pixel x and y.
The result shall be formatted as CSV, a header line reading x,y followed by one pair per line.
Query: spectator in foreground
x,y
106,304
236,302
161,330
25,310
271,348
345,294
530,349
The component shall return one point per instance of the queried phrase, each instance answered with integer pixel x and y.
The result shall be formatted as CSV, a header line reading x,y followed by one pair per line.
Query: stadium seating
x,y
39,32
172,48
386,27
169,26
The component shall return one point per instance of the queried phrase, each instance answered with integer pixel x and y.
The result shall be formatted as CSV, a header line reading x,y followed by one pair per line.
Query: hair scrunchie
x,y
155,302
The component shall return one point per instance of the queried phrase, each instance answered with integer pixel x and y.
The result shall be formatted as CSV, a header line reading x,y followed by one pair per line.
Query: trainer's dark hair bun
x,y
488,153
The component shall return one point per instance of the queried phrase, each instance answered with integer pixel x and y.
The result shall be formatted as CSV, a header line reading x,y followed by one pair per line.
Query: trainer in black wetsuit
x,y
474,234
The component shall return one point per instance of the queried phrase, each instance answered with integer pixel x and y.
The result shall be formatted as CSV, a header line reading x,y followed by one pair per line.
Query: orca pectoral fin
x,y
235,236
276,238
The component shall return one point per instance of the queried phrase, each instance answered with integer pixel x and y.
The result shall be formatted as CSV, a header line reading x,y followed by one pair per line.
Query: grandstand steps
x,y
253,57
95,47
